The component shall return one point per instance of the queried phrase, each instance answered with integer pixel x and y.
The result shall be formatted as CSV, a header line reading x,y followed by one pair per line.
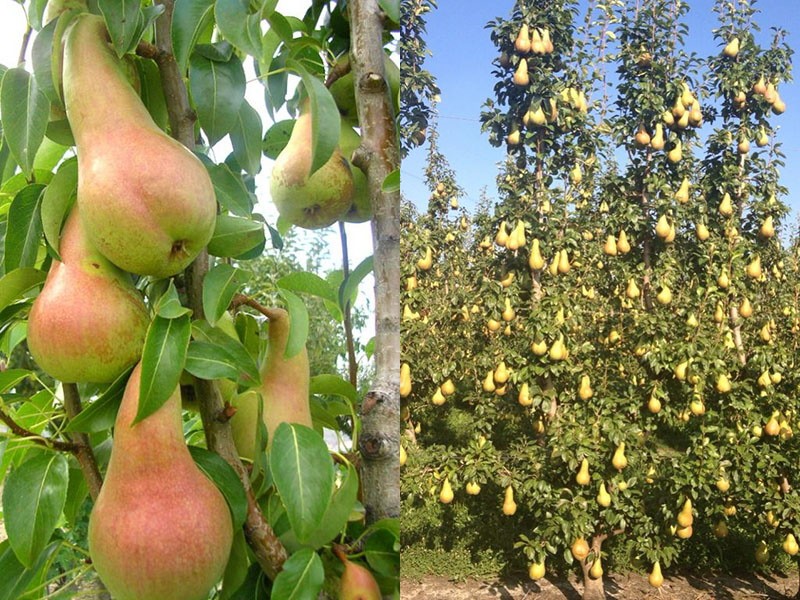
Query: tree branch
x,y
84,452
23,50
348,323
266,546
20,431
378,156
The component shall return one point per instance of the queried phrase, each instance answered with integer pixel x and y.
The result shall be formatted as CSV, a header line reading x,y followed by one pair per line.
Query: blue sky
x,y
461,62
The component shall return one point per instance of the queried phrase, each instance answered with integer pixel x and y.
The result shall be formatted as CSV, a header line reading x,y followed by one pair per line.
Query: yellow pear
x,y
654,405
623,246
580,549
509,506
523,42
508,279
425,263
603,497
767,229
610,247
723,484
558,351
501,239
723,280
678,109
772,426
438,398
596,570
563,262
547,41
446,495
680,370
539,348
493,325
770,94
619,459
632,290
701,231
642,138
657,141
656,579
731,49
403,456
585,389
753,268
405,380
662,227
536,571
554,263
448,387
520,234
514,136
535,261
411,283
790,545
583,477
723,384
719,313
664,297
675,155
760,86
682,195
695,116
685,516
779,106
521,77
537,116
501,373
472,488
488,383
762,139
537,44
576,175
408,314
745,308
508,311
524,397
726,206
765,334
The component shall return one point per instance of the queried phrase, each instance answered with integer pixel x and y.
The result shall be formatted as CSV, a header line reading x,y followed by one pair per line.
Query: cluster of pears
x,y
497,379
514,240
145,205
770,94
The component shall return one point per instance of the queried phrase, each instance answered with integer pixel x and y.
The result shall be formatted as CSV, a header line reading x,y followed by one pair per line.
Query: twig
x,y
84,452
242,300
20,431
148,50
348,322
339,70
266,546
26,38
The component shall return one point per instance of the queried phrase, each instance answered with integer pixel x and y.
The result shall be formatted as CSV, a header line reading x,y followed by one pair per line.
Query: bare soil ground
x,y
618,587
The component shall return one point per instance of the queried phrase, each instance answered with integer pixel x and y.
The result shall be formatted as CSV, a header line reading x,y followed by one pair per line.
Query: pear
x,y
403,456
488,382
537,117
767,229
576,175
682,195
147,202
523,42
311,201
596,570
723,281
632,290
772,426
88,323
537,43
539,348
692,321
411,283
344,92
493,325
563,262
770,94
656,579
361,207
448,387
695,116
654,405
501,239
657,141
753,268
743,146
472,488
426,262
642,138
524,397
680,370
762,553
438,398
558,351
726,206
603,497
579,549
585,389
762,139
610,247
553,268
685,516
536,571
719,313
619,461
664,296
509,506
547,41
701,231
446,495
535,260
779,106
731,49
357,583
159,528
760,86
501,373
790,545
675,155
745,308
623,246
514,136
662,227
521,77
721,529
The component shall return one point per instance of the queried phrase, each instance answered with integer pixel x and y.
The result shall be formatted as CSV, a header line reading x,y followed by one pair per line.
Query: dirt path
x,y
618,587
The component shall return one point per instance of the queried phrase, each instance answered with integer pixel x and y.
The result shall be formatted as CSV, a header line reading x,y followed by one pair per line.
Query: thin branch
x,y
26,38
242,300
148,50
266,546
348,322
84,452
339,70
37,438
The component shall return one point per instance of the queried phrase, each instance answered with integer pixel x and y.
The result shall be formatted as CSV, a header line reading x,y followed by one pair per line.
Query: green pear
x,y
361,207
160,528
311,201
344,93
88,324
147,201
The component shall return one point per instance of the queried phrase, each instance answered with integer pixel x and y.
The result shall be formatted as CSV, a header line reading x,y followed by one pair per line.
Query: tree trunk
x,y
593,589
378,156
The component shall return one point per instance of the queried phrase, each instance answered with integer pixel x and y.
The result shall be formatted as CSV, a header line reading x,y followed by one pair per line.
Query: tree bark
x,y
378,156
267,548
593,589
84,454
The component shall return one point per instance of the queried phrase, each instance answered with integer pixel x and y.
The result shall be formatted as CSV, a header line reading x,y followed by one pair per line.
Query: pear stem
x,y
266,546
83,453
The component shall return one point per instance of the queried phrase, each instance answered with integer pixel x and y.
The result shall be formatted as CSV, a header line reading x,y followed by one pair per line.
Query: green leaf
x,y
325,119
333,385
25,111
225,478
16,578
235,235
209,361
383,552
57,200
349,288
24,228
33,498
218,51
218,92
391,8
15,283
248,374
122,20
219,287
189,19
40,57
49,155
230,190
152,92
238,26
391,184
339,508
303,473
298,328
169,304
11,377
277,137
301,578
302,281
101,414
246,139
163,359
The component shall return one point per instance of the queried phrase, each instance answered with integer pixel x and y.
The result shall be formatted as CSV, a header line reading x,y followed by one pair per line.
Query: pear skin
x,y
88,324
311,201
147,202
361,207
357,583
160,528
